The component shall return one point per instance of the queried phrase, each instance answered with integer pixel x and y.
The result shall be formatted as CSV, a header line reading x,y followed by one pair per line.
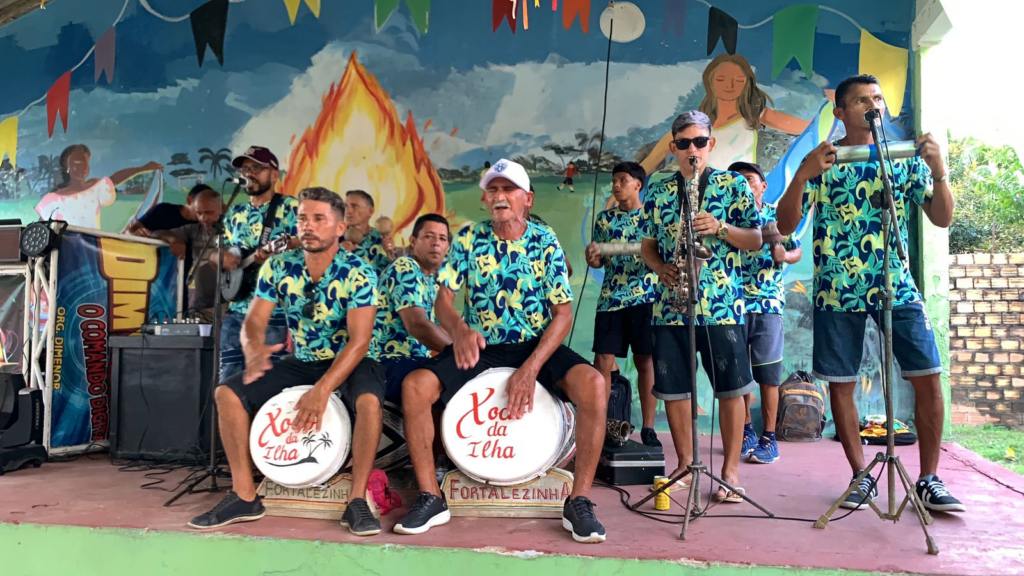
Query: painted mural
x,y
410,100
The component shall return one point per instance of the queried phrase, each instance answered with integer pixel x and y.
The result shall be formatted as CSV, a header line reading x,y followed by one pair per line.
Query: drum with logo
x,y
293,459
485,443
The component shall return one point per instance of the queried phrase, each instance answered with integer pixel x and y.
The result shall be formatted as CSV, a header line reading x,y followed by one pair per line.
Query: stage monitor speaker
x,y
21,412
159,394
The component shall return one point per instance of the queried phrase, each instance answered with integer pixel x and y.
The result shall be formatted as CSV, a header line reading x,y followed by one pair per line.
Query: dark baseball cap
x,y
257,154
747,166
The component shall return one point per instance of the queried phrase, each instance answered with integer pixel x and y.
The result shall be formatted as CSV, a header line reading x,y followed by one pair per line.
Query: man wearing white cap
x,y
518,313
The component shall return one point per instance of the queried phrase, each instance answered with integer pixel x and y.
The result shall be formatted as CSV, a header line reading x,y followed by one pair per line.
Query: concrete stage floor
x,y
988,539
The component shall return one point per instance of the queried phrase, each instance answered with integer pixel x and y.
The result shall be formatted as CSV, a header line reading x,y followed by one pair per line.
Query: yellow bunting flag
x,y
293,8
9,140
888,64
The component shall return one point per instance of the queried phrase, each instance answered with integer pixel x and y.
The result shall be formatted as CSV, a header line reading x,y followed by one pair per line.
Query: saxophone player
x,y
726,224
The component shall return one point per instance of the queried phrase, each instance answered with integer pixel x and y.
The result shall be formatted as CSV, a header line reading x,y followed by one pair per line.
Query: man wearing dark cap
x,y
727,223
765,298
248,227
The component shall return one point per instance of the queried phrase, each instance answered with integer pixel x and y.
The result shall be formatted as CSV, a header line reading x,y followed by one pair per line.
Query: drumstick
x,y
619,248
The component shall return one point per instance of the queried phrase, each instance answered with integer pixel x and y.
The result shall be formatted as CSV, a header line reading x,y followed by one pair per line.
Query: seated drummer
x,y
406,329
329,298
519,313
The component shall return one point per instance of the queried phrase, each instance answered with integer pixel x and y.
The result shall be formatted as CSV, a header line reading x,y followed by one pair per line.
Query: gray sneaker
x,y
230,510
359,520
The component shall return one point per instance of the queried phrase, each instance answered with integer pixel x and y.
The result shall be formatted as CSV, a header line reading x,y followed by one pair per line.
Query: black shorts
x,y
723,354
617,331
367,378
567,181
503,356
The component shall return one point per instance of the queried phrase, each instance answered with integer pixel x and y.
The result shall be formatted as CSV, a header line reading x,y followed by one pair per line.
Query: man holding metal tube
x,y
848,279
727,223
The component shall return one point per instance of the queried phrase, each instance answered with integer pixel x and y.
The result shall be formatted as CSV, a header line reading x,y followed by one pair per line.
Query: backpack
x,y
620,403
801,409
380,490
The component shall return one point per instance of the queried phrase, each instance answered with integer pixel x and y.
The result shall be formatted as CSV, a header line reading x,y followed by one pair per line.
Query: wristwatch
x,y
722,232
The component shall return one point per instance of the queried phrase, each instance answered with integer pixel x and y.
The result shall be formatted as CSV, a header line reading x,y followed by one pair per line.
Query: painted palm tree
x,y
219,161
311,442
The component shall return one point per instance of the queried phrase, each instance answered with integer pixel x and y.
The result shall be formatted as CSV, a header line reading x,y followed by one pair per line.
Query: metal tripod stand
x,y
694,509
887,459
212,469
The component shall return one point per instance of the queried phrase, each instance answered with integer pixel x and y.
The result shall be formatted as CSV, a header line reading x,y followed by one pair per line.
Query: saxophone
x,y
699,250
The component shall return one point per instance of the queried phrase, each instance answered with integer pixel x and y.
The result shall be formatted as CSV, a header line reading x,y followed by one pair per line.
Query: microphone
x,y
869,153
240,180
872,116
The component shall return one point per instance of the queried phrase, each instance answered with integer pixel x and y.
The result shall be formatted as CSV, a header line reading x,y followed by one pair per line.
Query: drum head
x,y
299,460
487,445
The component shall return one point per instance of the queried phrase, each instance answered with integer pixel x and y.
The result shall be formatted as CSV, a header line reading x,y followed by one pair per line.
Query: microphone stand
x,y
213,470
694,509
888,459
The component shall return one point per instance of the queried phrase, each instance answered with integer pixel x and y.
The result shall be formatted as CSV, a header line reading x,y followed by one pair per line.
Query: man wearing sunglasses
x,y
329,297
848,279
244,232
727,223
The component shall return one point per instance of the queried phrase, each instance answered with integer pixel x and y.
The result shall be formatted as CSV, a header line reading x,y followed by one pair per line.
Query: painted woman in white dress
x,y
738,109
80,199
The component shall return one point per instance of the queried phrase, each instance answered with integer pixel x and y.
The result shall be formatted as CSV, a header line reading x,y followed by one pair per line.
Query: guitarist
x,y
247,227
765,298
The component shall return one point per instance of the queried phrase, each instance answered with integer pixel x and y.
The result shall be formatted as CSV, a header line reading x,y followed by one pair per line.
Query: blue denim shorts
x,y
395,370
232,360
839,343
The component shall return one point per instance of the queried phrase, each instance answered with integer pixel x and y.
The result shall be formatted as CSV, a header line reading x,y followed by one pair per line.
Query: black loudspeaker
x,y
159,394
21,412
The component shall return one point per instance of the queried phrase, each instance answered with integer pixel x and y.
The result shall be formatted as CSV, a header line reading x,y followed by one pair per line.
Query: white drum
x,y
487,445
297,460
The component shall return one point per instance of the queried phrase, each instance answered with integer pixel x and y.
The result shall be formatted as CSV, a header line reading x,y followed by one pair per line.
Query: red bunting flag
x,y
573,8
57,102
105,53
503,10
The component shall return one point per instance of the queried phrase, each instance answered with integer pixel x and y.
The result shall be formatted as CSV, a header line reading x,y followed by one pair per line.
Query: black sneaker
x,y
359,520
230,510
856,499
578,518
650,438
934,496
426,512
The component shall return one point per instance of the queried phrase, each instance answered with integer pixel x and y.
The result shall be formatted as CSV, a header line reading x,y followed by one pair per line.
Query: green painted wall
x,y
28,550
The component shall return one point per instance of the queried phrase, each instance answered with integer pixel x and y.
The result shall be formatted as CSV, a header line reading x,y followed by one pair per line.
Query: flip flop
x,y
680,484
731,496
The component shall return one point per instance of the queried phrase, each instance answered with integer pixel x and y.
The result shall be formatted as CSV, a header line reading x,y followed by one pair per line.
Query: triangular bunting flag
x,y
293,8
888,64
9,140
209,22
105,52
420,12
503,10
554,5
675,17
724,27
573,8
382,10
57,102
794,38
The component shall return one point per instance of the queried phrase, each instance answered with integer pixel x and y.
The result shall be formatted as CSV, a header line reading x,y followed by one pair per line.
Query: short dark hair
x,y
632,168
319,194
691,118
196,190
362,194
422,220
845,86
209,194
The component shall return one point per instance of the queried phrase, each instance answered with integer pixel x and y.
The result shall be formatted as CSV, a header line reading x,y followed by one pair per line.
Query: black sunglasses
x,y
310,307
699,142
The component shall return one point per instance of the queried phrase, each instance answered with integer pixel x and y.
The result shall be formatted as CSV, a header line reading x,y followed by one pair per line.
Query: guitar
x,y
238,284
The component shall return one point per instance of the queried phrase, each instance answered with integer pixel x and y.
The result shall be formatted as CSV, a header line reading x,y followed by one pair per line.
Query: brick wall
x,y
986,331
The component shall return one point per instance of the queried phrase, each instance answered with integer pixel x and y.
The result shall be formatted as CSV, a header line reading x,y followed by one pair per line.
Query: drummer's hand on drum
x,y
257,360
520,388
311,407
467,345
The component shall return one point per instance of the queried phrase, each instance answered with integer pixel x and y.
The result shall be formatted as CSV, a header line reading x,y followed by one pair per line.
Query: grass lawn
x,y
990,442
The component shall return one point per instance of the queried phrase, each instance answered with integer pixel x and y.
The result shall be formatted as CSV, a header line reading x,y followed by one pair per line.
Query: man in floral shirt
x,y
329,298
518,313
727,223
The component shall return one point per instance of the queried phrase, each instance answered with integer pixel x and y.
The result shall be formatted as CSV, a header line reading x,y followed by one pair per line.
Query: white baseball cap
x,y
507,169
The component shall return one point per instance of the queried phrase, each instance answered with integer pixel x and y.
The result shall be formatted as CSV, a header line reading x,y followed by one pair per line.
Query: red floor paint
x,y
988,539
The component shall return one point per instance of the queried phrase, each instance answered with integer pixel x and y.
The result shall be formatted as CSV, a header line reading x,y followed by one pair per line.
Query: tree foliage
x,y
988,185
